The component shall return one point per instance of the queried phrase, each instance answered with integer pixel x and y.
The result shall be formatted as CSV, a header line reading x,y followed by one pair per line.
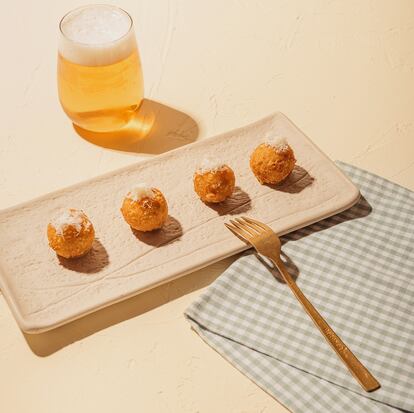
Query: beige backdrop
x,y
342,70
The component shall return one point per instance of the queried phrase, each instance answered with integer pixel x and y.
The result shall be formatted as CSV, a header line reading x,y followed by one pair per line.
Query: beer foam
x,y
96,35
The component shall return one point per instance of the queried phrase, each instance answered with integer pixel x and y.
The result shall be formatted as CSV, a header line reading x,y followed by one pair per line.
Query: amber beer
x,y
99,71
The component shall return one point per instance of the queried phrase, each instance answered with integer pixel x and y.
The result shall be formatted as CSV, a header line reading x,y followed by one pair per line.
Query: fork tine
x,y
242,225
242,228
237,232
253,227
258,223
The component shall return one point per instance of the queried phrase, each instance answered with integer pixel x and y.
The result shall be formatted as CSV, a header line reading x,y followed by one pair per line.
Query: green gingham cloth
x,y
357,268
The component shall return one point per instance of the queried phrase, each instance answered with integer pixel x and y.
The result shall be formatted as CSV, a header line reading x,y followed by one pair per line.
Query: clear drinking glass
x,y
100,79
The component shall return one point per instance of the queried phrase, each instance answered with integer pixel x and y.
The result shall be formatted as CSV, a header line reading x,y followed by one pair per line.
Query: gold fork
x,y
267,243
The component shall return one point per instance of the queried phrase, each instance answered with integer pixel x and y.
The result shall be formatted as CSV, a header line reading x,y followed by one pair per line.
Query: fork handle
x,y
358,370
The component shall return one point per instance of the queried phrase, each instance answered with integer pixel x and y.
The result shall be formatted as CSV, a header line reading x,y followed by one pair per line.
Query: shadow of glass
x,y
49,342
170,232
295,182
155,128
91,263
238,203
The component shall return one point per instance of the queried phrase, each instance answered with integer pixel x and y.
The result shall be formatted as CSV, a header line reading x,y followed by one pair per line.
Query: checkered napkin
x,y
357,268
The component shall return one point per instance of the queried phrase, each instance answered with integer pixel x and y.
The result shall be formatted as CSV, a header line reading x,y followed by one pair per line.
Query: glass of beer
x,y
99,70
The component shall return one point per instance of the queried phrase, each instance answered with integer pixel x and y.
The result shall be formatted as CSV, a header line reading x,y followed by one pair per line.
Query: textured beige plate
x,y
44,291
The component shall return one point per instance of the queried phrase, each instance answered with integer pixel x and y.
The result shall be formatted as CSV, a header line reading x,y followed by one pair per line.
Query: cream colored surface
x,y
343,71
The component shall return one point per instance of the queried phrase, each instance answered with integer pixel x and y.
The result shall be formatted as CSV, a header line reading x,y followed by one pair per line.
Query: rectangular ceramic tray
x,y
45,292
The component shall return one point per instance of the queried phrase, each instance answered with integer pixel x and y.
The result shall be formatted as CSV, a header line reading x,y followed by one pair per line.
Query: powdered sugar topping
x,y
277,142
70,217
141,191
209,165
